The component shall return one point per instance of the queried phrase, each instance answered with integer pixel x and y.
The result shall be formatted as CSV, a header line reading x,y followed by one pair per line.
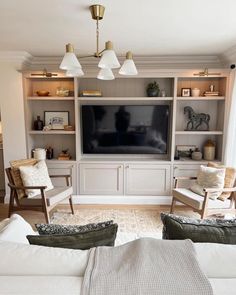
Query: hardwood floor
x,y
37,217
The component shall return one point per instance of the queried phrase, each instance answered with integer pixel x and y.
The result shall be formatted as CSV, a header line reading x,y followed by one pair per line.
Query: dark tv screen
x,y
125,129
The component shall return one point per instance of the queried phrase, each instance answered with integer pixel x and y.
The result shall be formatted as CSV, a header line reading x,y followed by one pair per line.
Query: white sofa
x,y
26,269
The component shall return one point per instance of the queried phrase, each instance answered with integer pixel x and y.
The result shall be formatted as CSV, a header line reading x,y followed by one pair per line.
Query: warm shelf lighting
x,y
108,58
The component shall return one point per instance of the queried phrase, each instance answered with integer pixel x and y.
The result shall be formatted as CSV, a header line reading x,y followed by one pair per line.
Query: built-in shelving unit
x,y
126,174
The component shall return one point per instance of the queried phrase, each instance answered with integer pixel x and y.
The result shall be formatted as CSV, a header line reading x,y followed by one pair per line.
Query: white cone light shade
x,y
128,68
105,74
74,73
70,62
109,60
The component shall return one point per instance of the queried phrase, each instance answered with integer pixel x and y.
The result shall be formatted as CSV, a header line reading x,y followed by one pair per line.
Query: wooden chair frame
x,y
204,212
14,204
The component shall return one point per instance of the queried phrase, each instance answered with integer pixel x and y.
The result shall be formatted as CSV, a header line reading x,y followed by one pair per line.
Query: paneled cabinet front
x,y
101,179
63,169
147,179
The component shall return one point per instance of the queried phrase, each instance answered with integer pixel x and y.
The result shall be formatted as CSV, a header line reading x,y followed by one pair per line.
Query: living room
x,y
117,129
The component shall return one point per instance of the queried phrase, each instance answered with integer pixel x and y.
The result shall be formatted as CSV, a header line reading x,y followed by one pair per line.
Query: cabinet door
x,y
63,169
147,179
101,179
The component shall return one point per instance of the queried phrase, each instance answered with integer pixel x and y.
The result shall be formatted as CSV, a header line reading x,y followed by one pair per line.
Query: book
x,y
91,93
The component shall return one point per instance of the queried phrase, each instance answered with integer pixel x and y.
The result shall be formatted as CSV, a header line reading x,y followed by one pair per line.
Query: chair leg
x,y
11,203
172,205
71,205
45,209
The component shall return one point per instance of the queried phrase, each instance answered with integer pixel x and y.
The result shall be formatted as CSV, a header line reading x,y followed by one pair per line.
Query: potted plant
x,y
153,89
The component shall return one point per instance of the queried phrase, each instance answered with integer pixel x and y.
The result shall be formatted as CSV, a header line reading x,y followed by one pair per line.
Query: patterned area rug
x,y
142,222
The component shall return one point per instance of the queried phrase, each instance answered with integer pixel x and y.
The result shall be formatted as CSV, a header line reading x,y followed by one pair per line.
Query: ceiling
x,y
153,27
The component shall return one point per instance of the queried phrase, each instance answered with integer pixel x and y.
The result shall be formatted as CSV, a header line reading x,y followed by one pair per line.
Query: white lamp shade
x,y
70,62
128,68
105,74
74,73
109,60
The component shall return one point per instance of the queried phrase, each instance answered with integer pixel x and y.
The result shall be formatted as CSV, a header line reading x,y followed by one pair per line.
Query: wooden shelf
x,y
51,132
145,98
56,98
199,132
196,98
190,161
61,161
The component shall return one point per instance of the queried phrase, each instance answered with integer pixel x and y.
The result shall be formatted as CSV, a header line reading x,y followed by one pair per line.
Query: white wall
x,y
12,113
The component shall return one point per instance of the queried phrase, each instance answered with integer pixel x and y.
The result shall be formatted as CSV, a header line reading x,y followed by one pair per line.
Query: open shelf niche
x,y
37,105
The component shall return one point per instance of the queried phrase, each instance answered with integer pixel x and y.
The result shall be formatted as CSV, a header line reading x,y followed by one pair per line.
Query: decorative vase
x,y
38,124
196,155
209,150
195,92
39,154
49,153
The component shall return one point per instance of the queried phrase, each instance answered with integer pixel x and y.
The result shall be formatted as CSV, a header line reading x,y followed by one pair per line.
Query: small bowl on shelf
x,y
42,93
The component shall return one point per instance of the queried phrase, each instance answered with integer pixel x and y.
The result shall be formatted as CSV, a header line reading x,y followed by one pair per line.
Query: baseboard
x,y
120,200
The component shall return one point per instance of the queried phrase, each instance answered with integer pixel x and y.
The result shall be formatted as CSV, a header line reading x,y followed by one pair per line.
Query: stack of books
x,y
91,93
211,93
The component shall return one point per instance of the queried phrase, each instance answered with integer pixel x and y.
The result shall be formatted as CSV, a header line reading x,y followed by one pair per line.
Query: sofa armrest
x,y
66,176
41,187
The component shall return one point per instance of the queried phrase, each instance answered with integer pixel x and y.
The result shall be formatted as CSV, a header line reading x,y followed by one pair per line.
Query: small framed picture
x,y
56,119
186,92
185,151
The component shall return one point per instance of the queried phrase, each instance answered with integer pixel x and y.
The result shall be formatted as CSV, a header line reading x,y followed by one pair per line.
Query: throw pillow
x,y
198,230
209,177
57,229
101,237
15,172
34,176
230,177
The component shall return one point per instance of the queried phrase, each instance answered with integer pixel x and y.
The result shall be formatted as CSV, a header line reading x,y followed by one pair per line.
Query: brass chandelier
x,y
108,59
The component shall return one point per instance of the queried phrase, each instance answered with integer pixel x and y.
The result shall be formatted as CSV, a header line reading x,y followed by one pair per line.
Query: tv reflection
x,y
136,129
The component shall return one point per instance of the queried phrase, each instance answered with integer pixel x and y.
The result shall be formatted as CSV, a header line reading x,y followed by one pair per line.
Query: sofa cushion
x,y
198,230
35,176
196,201
15,229
29,260
100,237
209,177
53,229
15,173
229,181
53,196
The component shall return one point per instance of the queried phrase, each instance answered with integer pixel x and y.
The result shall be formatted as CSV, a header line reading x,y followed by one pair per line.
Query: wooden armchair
x,y
203,204
45,201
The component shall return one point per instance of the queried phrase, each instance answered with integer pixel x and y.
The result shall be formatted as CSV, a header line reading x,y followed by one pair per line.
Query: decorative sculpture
x,y
196,119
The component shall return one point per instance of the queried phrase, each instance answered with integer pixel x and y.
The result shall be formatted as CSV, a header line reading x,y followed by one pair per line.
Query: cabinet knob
x,y
119,167
127,166
175,167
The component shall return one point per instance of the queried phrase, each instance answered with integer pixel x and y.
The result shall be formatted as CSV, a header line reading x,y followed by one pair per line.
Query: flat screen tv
x,y
125,129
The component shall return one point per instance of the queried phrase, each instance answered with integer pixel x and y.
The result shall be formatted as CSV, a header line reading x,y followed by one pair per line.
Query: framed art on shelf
x,y
56,119
185,92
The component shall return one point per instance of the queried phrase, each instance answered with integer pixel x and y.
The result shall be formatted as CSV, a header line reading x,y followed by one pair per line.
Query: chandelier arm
x,y
84,56
97,37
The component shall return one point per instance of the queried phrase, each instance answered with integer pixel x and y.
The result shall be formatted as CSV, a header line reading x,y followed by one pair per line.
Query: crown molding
x,y
142,62
20,59
229,56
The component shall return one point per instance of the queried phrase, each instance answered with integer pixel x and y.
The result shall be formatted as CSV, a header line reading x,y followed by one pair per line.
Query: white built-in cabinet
x,y
147,179
125,179
101,179
128,175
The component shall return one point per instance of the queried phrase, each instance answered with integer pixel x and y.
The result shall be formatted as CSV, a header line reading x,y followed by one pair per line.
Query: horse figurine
x,y
196,120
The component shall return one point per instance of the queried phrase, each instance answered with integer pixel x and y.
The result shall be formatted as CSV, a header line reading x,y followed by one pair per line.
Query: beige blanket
x,y
145,266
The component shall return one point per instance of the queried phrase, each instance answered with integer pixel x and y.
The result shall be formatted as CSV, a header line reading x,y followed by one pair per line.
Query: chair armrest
x,y
223,190
184,178
58,176
27,187
66,176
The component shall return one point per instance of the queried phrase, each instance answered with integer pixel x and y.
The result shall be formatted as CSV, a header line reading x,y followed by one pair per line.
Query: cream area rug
x,y
141,222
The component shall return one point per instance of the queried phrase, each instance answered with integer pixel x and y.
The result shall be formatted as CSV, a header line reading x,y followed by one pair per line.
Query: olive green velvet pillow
x,y
199,231
101,237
